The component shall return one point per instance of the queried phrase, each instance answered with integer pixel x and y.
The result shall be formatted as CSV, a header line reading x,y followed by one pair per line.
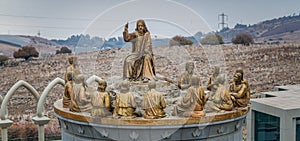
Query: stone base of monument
x,y
225,126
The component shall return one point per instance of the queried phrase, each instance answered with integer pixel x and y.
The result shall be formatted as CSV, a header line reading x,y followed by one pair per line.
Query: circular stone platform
x,y
226,126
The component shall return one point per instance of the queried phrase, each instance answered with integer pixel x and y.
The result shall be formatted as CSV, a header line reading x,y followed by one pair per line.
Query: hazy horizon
x,y
103,18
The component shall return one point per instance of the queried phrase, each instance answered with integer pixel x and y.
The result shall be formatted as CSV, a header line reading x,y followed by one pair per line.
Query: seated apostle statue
x,y
100,101
80,99
239,90
192,104
125,103
153,103
219,99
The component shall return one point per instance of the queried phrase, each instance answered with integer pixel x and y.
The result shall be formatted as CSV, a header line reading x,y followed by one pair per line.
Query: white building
x,y
275,116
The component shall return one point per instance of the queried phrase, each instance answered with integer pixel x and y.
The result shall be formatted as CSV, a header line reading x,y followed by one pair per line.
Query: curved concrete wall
x,y
221,127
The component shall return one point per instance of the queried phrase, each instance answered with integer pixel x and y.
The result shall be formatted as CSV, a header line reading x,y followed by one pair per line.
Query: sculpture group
x,y
139,67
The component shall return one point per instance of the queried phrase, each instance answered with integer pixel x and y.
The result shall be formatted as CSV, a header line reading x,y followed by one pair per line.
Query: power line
x,y
223,16
58,18
41,17
37,26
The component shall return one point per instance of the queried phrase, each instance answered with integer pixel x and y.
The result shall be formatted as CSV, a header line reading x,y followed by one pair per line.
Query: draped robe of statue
x,y
211,82
239,89
67,94
153,104
192,104
213,78
139,64
72,68
240,93
80,101
125,105
220,100
184,81
71,72
101,104
223,99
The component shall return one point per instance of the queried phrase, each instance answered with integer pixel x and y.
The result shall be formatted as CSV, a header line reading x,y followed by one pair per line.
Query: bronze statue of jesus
x,y
139,65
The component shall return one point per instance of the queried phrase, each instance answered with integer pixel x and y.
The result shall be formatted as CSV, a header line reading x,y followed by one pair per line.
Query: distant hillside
x,y
81,43
11,43
44,46
279,30
85,43
14,40
7,49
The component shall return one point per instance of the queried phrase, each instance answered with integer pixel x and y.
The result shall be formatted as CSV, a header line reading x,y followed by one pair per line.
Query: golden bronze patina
x,y
68,90
239,89
80,99
125,103
219,98
72,68
100,101
71,72
192,104
184,81
213,77
153,103
139,65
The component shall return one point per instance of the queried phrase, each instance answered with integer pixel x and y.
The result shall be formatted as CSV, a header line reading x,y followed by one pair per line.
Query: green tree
x,y
26,52
212,39
63,50
3,58
180,40
243,38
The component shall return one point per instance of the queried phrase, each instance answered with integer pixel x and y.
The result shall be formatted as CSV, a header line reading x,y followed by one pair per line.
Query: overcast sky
x,y
59,19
